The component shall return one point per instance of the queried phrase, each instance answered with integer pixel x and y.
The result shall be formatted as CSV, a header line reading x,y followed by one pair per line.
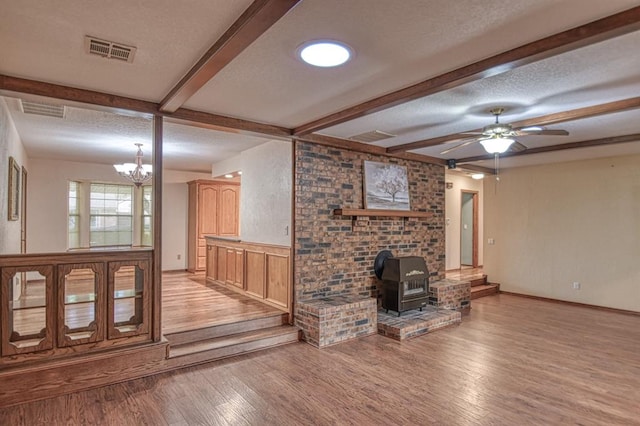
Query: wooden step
x,y
211,332
478,281
235,344
484,290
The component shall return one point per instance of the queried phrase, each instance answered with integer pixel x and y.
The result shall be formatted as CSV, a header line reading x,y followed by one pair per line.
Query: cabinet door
x,y
207,210
212,266
229,210
239,278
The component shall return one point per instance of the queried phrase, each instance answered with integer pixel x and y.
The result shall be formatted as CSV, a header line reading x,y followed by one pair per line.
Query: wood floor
x,y
465,273
189,303
512,361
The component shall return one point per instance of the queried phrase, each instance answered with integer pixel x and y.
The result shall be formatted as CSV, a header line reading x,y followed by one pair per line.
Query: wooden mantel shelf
x,y
376,212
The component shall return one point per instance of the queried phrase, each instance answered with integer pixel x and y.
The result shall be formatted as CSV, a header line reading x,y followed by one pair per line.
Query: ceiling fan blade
x,y
469,142
517,147
522,132
471,133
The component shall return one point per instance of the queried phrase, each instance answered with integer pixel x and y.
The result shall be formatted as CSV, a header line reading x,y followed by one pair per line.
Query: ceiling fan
x,y
496,138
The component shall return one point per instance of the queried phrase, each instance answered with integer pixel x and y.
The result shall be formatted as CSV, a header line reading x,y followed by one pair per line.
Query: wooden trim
x,y
555,118
253,22
567,302
156,272
596,31
381,213
368,149
572,145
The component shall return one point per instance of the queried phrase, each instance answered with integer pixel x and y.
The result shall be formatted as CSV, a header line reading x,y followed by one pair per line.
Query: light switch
x,y
464,226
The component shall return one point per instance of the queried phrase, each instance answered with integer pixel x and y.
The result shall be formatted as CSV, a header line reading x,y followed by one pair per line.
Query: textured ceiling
x,y
396,44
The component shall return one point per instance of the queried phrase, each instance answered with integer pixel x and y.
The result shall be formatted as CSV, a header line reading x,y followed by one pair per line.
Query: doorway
x,y
469,229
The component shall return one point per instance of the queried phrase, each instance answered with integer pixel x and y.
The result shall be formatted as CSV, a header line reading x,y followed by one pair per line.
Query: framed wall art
x,y
386,186
14,189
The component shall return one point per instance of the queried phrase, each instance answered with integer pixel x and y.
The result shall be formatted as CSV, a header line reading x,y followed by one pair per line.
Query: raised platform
x,y
415,323
330,320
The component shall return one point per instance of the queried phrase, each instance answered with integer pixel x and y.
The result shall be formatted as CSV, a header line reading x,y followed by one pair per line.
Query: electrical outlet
x,y
491,241
179,256
576,285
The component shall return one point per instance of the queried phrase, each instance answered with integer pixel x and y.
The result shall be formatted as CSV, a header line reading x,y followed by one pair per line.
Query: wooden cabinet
x,y
261,271
214,209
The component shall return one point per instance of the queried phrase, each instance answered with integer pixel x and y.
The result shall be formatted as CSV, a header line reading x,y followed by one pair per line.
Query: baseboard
x,y
566,302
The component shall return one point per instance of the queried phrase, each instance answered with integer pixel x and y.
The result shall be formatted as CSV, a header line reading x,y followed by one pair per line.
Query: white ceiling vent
x,y
109,49
39,108
372,136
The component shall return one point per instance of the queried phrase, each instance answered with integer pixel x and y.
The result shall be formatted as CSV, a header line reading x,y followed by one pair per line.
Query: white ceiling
x,y
397,44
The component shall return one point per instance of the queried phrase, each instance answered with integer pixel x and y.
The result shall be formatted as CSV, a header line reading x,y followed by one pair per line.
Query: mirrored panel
x,y
128,298
80,309
27,309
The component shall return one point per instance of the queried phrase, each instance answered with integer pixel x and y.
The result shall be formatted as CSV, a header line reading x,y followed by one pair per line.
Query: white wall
x,y
175,209
265,195
453,201
569,222
10,146
47,218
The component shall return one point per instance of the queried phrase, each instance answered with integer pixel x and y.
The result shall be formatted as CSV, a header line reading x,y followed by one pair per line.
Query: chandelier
x,y
136,172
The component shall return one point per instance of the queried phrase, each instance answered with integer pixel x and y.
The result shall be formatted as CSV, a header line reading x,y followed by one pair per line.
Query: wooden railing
x,y
54,305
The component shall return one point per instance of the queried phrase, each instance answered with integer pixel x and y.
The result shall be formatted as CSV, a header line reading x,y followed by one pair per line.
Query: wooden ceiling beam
x,y
115,104
224,123
572,145
369,149
545,120
49,90
253,22
602,29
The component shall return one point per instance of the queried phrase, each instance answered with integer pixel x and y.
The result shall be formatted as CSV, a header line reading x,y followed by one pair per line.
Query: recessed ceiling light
x,y
531,129
239,172
228,176
477,176
324,53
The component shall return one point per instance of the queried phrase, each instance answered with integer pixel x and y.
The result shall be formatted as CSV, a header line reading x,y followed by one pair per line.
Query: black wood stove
x,y
405,283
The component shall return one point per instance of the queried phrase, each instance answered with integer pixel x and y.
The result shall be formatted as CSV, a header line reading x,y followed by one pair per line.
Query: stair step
x,y
206,333
478,281
484,290
221,347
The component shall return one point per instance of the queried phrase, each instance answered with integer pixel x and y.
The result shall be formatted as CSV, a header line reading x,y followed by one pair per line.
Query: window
x,y
111,215
147,214
74,215
106,215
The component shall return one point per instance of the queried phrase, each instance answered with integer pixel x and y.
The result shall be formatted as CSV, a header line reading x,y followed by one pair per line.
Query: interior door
x,y
469,229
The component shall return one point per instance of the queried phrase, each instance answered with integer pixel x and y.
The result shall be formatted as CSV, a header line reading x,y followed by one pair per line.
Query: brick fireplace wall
x,y
333,254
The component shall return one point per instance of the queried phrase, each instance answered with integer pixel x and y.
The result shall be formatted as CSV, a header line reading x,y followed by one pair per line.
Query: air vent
x,y
109,49
372,136
39,108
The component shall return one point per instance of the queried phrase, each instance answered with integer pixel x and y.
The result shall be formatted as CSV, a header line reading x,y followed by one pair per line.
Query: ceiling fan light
x,y
496,145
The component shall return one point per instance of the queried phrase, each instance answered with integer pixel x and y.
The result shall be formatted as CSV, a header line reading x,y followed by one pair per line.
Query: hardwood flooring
x,y
464,274
512,361
189,303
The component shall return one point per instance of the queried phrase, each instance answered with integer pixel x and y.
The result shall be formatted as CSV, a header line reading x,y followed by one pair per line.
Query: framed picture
x,y
386,186
14,189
